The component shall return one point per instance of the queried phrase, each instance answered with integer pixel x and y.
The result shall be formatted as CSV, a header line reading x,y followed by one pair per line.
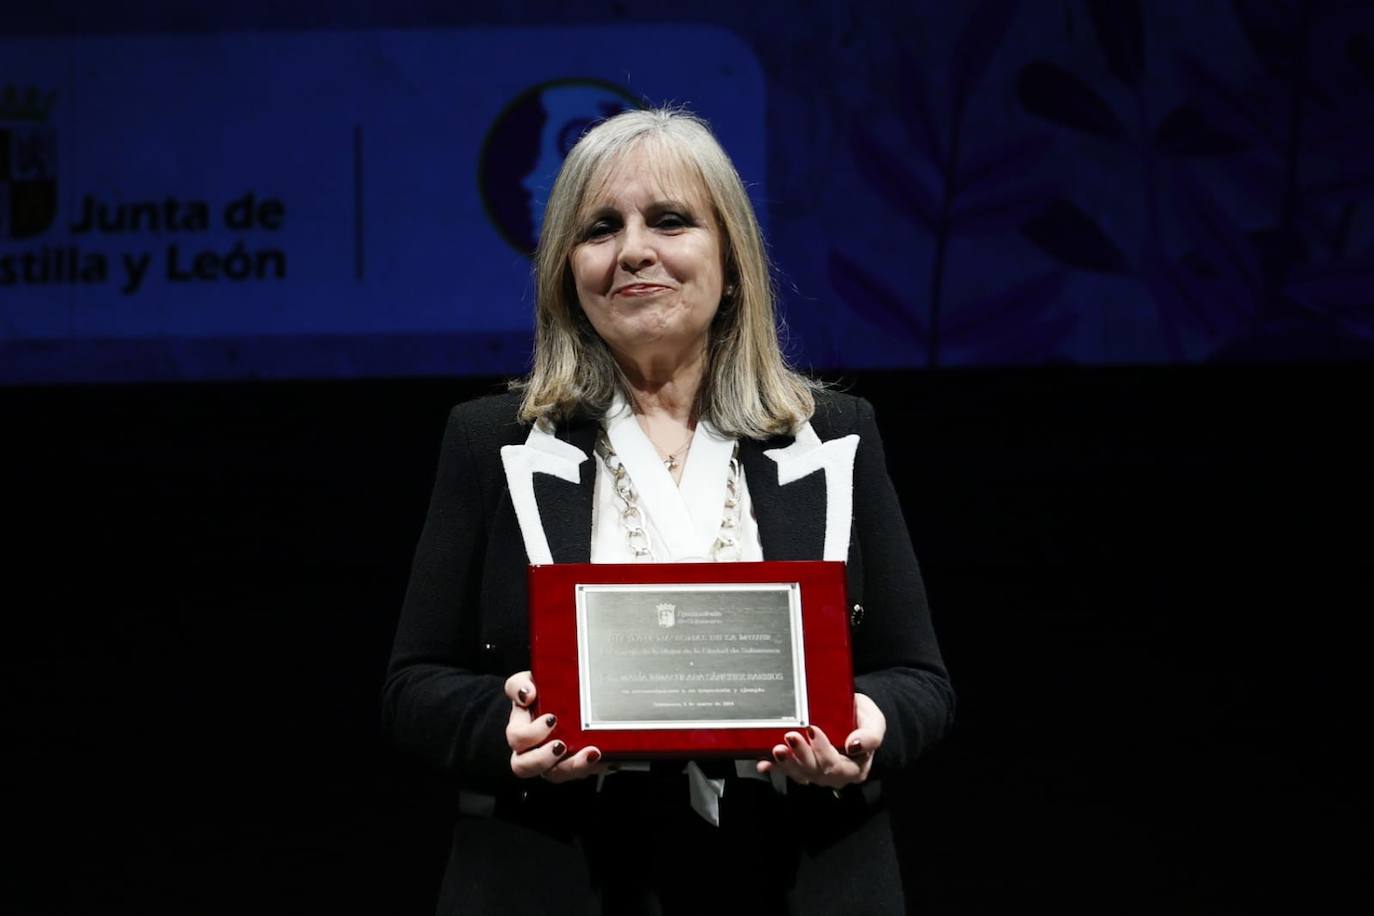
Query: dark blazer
x,y
507,494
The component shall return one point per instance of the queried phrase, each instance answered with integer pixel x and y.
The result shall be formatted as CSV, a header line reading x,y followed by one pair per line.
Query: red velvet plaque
x,y
648,660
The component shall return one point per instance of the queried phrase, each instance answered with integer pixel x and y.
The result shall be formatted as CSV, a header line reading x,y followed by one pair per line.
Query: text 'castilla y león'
x,y
78,264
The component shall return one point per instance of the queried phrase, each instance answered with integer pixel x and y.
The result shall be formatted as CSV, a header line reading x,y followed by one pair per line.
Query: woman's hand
x,y
812,758
531,752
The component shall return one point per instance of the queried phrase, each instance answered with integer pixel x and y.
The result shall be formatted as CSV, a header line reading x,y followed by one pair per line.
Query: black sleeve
x,y
896,658
436,705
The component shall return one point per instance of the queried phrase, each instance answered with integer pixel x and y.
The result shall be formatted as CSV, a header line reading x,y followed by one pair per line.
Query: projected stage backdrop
x,y
980,185
330,204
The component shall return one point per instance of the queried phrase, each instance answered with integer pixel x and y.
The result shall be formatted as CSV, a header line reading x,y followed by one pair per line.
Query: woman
x,y
659,423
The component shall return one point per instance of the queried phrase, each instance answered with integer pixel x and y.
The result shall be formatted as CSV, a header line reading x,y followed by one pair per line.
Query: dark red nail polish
x,y
792,740
593,756
811,732
855,747
522,693
550,720
558,748
779,756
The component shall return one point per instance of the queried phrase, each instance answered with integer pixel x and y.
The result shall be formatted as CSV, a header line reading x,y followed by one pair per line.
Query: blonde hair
x,y
749,390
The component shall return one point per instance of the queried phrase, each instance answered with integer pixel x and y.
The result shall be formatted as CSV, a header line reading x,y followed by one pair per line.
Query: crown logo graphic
x,y
25,104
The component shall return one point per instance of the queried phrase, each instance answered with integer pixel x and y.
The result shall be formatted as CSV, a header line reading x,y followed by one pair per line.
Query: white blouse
x,y
683,519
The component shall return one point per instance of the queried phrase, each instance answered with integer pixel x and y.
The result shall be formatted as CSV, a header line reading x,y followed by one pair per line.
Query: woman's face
x,y
649,265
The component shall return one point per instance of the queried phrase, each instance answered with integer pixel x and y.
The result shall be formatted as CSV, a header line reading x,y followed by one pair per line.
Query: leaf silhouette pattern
x,y
1001,162
1344,291
1120,29
1226,106
1055,94
1185,132
890,176
1178,300
1254,187
1002,209
1063,231
1269,36
1225,248
913,106
1019,306
977,43
984,192
871,299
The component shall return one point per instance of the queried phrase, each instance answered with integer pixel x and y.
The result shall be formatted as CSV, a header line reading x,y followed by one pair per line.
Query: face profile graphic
x,y
526,145
569,111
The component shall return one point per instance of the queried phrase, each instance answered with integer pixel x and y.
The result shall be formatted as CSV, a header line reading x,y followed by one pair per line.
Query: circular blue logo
x,y
525,146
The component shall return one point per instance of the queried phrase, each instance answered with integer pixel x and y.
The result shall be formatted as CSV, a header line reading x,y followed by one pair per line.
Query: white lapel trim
x,y
543,453
808,454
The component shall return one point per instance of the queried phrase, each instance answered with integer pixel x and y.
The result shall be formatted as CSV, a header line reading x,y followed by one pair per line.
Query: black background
x,y
1151,587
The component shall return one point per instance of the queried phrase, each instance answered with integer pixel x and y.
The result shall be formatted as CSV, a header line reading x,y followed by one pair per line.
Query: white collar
x,y
686,515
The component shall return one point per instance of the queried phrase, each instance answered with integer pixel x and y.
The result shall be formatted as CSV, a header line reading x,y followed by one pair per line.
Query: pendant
x,y
670,463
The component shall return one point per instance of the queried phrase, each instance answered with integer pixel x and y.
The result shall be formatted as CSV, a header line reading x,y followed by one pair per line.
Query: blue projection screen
x,y
1136,188
326,204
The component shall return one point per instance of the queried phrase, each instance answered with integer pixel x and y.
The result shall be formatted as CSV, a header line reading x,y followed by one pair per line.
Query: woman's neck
x,y
665,394
664,399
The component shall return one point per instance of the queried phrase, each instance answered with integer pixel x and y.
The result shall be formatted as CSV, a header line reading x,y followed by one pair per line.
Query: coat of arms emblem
x,y
28,163
667,614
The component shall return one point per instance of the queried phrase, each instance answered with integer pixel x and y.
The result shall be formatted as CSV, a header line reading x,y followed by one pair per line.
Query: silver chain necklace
x,y
726,547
